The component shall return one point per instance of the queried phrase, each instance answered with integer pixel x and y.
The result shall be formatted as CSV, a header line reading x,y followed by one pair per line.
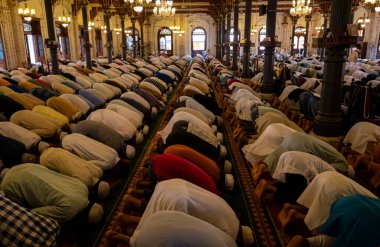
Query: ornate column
x,y
294,22
268,83
328,121
227,47
246,73
306,45
236,45
123,37
107,16
87,44
52,43
133,20
222,34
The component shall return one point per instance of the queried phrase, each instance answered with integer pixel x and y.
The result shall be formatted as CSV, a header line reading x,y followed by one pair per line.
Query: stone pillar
x,y
222,35
268,83
246,73
294,22
306,45
123,37
87,44
217,39
133,20
329,121
51,32
236,45
228,62
107,16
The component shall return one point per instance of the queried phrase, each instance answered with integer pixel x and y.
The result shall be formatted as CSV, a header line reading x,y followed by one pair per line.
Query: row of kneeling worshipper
x,y
52,163
313,180
180,198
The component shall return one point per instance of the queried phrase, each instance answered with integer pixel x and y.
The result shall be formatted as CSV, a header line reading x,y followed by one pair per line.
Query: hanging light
x,y
139,4
64,20
175,28
319,29
117,30
91,24
104,28
300,8
164,8
26,13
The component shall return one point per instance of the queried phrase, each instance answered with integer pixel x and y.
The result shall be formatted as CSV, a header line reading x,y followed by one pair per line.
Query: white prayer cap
x,y
130,151
219,136
223,151
170,89
229,182
247,236
72,126
95,214
139,138
103,190
3,172
227,167
154,111
164,98
145,130
214,127
42,146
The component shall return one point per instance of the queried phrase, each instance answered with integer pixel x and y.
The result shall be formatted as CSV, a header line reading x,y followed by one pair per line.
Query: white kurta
x,y
116,121
186,117
18,133
173,229
323,191
267,142
196,113
305,164
182,196
133,117
361,134
91,150
137,98
193,104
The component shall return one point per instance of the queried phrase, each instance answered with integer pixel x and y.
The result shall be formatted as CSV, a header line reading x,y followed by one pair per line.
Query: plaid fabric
x,y
158,85
21,227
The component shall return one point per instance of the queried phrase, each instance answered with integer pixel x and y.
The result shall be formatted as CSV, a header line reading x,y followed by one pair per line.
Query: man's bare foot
x,y
263,188
130,203
298,241
124,221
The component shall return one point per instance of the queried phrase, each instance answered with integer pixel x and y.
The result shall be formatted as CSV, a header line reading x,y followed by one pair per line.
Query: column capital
x,y
308,18
83,3
107,12
122,16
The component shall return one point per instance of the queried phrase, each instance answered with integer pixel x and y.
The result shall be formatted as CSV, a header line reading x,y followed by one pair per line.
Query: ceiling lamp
x,y
104,28
372,4
175,28
164,8
138,5
26,13
65,21
319,29
117,30
300,8
90,25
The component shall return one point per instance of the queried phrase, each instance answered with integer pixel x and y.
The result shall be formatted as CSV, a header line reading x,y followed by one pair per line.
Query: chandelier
x,y
319,29
104,28
373,4
300,8
90,25
175,28
139,4
164,8
26,13
362,21
117,30
64,20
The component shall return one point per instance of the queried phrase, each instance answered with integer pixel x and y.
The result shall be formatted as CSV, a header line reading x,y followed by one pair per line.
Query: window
x,y
262,36
129,38
165,41
198,38
232,34
299,39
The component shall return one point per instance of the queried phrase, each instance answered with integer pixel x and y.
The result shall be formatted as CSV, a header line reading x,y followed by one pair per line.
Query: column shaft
x,y
268,83
107,16
133,20
227,47
222,35
51,33
246,73
294,22
328,120
87,44
142,39
217,40
306,45
123,38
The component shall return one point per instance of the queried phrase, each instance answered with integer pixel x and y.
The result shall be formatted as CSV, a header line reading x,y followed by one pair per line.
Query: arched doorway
x,y
198,40
165,41
299,39
262,36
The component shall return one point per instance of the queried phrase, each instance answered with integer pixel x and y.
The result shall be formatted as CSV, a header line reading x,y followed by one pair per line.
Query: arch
x,y
165,41
262,35
198,40
299,39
